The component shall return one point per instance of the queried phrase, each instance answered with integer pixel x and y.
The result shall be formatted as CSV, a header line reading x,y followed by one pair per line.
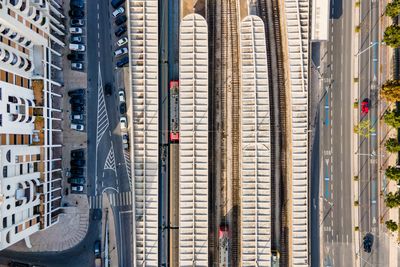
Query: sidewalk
x,y
108,218
69,231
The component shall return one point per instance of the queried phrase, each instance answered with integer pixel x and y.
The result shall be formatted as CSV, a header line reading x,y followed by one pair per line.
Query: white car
x,y
77,127
77,47
121,51
76,66
77,188
121,95
122,41
125,138
118,11
75,30
124,123
76,117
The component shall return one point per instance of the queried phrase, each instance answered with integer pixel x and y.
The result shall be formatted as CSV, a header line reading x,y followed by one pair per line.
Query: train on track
x,y
223,242
174,111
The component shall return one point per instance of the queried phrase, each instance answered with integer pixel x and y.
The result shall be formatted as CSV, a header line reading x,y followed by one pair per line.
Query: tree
x,y
392,145
392,225
390,90
393,9
393,173
392,200
364,128
392,118
391,36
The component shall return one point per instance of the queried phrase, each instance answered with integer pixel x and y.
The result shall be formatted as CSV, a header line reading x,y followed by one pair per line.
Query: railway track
x,y
269,12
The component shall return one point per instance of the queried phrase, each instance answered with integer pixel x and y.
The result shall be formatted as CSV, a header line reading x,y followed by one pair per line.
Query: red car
x,y
365,106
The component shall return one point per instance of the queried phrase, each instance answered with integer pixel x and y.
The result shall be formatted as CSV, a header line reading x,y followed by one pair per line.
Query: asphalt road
x,y
335,147
108,164
367,159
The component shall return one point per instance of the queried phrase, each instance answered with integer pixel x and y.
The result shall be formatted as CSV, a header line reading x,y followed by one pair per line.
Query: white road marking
x,y
95,202
110,160
102,117
127,160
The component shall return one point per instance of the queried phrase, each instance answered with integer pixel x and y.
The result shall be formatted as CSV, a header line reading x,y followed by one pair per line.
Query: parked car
x,y
77,154
120,31
124,122
120,20
76,92
125,138
122,108
97,249
77,101
77,171
75,188
365,106
76,56
122,41
125,146
75,30
368,240
76,66
76,117
77,127
122,62
76,4
120,52
77,22
76,13
77,47
75,39
77,108
121,95
77,180
108,89
117,3
78,162
118,11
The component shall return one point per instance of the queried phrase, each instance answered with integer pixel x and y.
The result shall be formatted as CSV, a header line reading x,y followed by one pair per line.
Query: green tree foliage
x,y
392,225
393,173
392,118
390,90
393,9
392,200
392,145
364,128
391,36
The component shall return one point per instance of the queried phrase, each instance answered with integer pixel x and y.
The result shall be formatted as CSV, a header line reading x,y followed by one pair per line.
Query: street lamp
x,y
371,45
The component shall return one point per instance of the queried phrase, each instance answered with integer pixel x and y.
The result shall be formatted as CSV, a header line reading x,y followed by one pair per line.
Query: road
x,y
110,166
367,160
335,109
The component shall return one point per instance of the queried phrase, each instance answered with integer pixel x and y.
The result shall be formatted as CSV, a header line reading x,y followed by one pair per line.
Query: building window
x,y
1,120
21,169
13,219
0,93
5,172
4,222
8,155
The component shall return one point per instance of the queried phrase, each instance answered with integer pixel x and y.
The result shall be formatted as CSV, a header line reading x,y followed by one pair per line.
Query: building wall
x,y
30,45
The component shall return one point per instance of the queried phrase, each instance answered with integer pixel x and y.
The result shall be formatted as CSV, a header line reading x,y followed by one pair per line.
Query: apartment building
x,y
31,34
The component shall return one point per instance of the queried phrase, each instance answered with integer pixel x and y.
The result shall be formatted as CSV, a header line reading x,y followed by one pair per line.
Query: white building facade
x,y
30,117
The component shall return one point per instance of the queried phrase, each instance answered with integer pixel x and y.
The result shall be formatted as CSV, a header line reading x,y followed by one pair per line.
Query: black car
x,y
76,13
122,62
120,20
76,57
77,108
77,112
76,92
77,171
97,249
75,39
77,4
120,31
368,240
78,162
77,180
77,154
96,215
122,108
77,100
108,89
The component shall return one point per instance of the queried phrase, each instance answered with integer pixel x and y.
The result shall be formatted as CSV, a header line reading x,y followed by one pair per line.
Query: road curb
x,y
354,140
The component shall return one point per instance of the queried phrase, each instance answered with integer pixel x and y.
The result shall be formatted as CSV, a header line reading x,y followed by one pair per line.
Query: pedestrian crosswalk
x,y
121,199
116,200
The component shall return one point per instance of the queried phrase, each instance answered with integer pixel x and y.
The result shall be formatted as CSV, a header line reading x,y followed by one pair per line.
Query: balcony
x,y
38,86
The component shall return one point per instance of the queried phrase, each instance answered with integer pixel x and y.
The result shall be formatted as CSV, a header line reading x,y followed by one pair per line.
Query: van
x,y
122,62
77,47
117,3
